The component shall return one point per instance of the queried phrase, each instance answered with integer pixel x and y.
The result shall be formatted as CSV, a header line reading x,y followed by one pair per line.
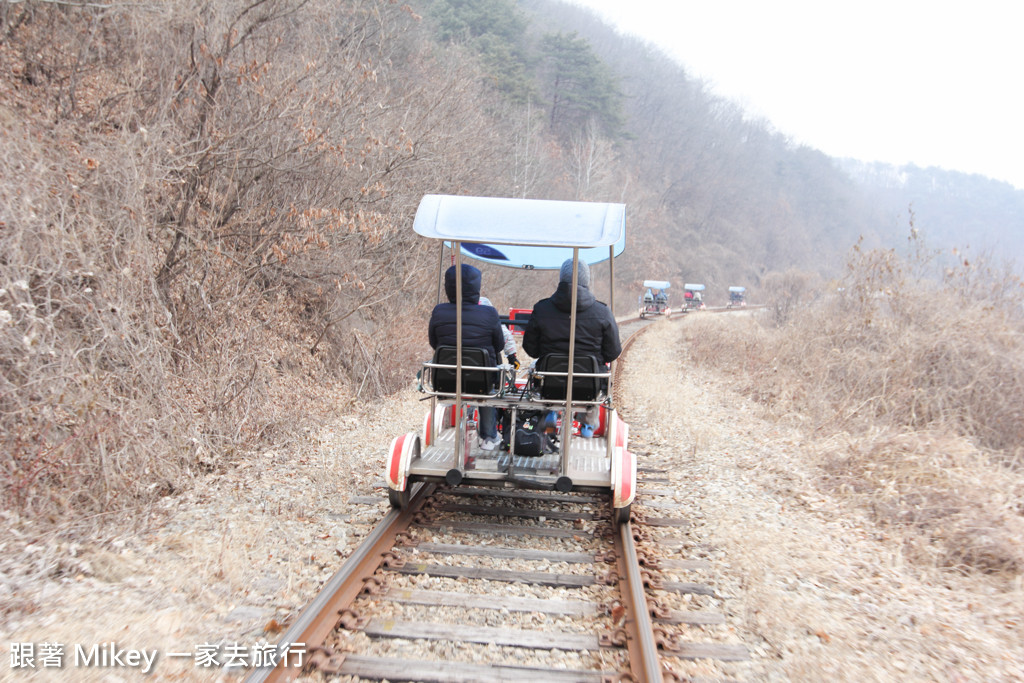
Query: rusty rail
x,y
644,662
322,615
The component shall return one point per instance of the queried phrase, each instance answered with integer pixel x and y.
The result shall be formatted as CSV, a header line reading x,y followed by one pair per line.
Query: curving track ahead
x,y
478,584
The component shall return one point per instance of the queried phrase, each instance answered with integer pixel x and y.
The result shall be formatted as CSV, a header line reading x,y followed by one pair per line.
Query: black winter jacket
x,y
548,330
480,324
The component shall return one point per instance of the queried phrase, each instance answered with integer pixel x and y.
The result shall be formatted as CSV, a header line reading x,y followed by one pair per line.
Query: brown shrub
x,y
904,354
946,500
205,240
788,292
923,375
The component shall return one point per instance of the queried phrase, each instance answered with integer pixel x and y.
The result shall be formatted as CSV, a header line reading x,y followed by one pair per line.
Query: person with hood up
x,y
481,328
597,334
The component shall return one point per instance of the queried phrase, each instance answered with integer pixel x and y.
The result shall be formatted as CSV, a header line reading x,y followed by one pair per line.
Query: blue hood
x,y
471,279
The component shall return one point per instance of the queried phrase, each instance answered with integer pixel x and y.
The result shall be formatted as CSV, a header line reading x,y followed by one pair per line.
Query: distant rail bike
x,y
654,300
693,297
737,297
530,235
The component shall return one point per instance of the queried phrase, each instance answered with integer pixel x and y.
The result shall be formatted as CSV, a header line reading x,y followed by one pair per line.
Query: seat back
x,y
473,381
552,388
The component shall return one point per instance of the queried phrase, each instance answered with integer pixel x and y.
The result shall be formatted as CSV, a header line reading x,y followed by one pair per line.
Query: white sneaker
x,y
490,444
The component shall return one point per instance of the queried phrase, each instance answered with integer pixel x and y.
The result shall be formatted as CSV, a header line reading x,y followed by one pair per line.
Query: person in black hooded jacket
x,y
481,328
597,334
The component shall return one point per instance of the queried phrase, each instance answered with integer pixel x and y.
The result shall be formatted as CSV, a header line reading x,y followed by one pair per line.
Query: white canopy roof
x,y
531,233
694,288
657,284
737,289
528,222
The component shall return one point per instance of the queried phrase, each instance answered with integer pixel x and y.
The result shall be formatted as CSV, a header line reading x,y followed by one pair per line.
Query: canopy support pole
x,y
567,415
611,303
460,452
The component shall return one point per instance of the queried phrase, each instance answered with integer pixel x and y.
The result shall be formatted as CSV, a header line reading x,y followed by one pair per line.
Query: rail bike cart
x,y
517,320
527,234
737,297
654,300
693,297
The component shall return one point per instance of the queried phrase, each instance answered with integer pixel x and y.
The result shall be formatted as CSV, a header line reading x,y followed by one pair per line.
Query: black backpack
x,y
531,441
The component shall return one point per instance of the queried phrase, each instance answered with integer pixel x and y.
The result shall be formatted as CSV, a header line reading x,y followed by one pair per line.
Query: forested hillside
x,y
205,209
731,198
954,210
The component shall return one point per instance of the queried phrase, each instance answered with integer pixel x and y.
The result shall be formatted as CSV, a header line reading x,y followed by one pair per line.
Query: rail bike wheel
x,y
398,499
623,473
622,515
428,421
602,420
404,449
441,418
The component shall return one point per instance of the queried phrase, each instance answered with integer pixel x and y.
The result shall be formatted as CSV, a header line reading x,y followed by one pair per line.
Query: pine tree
x,y
578,86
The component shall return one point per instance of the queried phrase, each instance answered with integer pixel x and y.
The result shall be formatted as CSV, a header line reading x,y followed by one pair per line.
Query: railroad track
x,y
485,584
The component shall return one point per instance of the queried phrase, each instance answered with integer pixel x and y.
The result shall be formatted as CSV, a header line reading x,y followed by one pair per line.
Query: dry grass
x,y
913,390
940,495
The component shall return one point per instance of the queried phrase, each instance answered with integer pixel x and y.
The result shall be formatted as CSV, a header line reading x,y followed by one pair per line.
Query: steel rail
x,y
320,617
644,662
641,642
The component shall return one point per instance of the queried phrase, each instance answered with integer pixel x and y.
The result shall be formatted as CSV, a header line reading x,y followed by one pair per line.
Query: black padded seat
x,y
480,382
552,388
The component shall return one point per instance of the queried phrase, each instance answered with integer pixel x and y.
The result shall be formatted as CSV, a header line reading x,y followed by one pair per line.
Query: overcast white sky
x,y
933,83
